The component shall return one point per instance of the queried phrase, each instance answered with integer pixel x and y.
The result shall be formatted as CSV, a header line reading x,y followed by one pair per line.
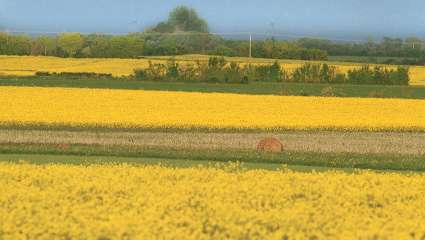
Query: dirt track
x,y
358,142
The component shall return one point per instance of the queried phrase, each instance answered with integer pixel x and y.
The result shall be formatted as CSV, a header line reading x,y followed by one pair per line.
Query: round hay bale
x,y
272,145
63,146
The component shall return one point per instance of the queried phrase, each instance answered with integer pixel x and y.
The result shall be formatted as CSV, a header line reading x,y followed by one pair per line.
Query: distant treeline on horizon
x,y
148,44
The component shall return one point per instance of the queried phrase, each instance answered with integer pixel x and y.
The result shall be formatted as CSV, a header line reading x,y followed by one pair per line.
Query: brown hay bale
x,y
270,145
63,146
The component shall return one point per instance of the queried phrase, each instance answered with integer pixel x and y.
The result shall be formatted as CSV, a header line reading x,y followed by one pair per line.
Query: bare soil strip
x,y
324,141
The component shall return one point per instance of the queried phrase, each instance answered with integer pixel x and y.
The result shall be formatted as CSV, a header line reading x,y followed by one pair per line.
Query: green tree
x,y
270,48
163,27
187,20
413,43
43,45
99,45
86,52
182,19
70,43
3,42
18,45
413,47
128,46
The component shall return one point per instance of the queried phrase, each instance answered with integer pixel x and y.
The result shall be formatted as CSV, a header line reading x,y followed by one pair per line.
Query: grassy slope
x,y
413,92
316,159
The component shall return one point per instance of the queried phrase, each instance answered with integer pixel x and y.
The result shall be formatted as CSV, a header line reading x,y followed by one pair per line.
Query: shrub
x,y
140,74
233,74
340,78
328,74
328,92
172,70
358,76
216,70
308,73
401,76
43,74
379,75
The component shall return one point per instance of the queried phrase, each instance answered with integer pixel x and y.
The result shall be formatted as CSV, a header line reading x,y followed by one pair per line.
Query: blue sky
x,y
327,18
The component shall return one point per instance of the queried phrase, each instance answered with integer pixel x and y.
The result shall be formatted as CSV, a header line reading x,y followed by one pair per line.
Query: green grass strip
x,y
316,159
262,88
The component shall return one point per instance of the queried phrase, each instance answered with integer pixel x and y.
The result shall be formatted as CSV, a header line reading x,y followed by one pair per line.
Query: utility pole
x,y
250,45
7,38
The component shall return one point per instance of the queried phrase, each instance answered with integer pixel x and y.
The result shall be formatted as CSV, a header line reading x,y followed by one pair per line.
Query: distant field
x,y
28,65
67,107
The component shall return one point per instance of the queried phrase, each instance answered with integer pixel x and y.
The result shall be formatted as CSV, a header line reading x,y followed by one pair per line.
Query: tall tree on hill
x,y
182,19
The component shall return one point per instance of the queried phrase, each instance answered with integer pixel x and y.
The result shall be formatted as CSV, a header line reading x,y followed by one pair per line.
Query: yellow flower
x,y
157,109
151,202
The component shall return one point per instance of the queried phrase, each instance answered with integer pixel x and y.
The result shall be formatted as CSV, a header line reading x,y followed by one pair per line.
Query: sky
x,y
339,19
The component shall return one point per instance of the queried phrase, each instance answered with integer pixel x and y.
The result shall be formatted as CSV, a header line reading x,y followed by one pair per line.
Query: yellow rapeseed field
x,y
160,109
153,202
29,65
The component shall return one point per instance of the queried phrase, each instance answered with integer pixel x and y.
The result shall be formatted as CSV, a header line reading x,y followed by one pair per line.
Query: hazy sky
x,y
334,18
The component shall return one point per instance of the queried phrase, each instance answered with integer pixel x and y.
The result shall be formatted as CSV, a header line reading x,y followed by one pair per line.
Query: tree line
x,y
218,70
410,47
137,45
162,44
73,45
